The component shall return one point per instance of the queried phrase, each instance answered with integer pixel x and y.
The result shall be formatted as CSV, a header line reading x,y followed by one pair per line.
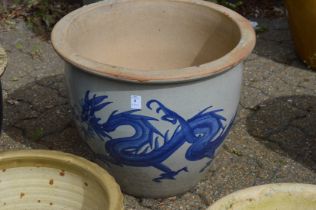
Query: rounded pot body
x,y
156,140
154,86
302,22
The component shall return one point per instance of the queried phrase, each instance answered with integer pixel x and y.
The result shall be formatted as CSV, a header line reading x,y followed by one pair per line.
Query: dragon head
x,y
168,115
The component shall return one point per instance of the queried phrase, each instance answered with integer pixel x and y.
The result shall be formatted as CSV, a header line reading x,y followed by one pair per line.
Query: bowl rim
x,y
257,192
3,60
224,63
107,182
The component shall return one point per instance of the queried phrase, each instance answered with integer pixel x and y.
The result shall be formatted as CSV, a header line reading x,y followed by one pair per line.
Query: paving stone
x,y
260,69
251,96
132,203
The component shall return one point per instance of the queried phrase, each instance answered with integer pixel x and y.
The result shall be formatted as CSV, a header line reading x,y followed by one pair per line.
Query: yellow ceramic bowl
x,y
270,197
40,180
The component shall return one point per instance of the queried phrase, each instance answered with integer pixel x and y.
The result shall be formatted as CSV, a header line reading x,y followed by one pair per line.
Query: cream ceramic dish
x,y
154,86
40,180
284,196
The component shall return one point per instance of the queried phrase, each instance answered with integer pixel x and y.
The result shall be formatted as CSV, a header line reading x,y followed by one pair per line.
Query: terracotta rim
x,y
231,59
3,60
257,192
107,182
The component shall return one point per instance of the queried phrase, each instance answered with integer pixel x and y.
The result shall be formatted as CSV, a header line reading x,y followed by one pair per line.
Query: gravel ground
x,y
273,139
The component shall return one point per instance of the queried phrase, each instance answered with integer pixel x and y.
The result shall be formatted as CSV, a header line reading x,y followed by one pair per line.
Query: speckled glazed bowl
x,y
284,196
40,179
154,86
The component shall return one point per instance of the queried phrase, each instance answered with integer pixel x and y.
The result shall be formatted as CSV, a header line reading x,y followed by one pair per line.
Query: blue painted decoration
x,y
204,132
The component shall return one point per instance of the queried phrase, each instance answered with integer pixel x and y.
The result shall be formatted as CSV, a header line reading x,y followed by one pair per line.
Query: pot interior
x,y
48,184
152,35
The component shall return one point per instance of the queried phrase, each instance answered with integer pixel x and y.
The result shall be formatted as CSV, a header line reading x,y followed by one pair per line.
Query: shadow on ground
x,y
287,125
38,115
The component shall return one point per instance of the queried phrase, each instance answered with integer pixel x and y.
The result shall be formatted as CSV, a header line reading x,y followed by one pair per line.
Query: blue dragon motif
x,y
204,132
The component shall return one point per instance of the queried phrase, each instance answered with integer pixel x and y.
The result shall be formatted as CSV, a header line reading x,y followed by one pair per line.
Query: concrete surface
x,y
273,138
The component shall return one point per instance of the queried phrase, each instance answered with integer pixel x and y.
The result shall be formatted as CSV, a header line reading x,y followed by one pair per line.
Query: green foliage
x,y
40,15
261,29
45,13
37,134
232,4
19,45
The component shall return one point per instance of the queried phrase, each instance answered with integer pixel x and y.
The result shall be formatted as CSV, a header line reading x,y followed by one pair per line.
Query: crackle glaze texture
x,y
154,86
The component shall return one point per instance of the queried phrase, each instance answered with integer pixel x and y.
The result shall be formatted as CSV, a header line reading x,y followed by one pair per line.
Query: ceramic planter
x,y
3,64
302,22
285,196
43,179
154,86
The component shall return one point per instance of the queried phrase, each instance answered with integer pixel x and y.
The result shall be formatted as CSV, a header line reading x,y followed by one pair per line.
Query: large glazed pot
x,y
302,21
154,86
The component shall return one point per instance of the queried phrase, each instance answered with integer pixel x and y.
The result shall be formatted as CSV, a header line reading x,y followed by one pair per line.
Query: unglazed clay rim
x,y
106,181
257,193
226,62
3,60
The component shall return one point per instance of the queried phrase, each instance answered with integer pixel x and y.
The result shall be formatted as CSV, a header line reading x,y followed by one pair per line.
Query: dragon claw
x,y
170,174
